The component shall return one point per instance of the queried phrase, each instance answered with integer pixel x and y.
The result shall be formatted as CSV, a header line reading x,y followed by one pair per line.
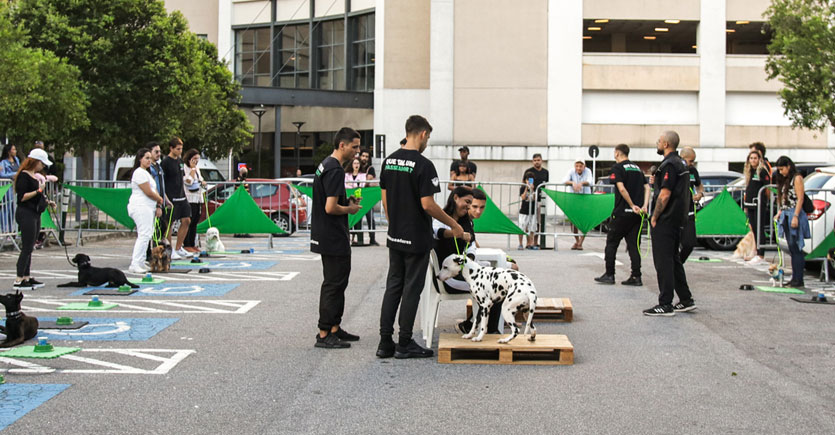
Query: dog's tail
x,y
529,326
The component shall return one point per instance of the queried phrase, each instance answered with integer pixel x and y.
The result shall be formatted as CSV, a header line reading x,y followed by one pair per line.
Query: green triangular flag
x,y
584,210
113,202
240,214
306,189
821,250
722,216
46,221
493,220
5,188
370,197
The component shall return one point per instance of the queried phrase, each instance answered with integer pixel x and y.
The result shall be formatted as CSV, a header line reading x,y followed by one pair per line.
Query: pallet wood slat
x,y
548,349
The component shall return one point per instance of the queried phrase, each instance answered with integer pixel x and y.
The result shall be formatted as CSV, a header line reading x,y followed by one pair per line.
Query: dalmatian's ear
x,y
459,260
471,256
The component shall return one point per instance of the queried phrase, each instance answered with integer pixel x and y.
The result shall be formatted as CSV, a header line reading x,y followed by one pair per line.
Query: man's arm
x,y
661,204
646,198
385,204
431,207
333,208
625,194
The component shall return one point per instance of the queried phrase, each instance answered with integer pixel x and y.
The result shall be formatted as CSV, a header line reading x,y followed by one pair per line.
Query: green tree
x,y
802,57
40,94
146,75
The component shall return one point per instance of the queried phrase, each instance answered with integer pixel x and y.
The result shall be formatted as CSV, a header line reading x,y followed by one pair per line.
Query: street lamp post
x,y
298,125
259,112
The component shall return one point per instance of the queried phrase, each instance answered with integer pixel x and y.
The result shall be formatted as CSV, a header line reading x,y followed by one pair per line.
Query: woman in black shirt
x,y
757,176
31,202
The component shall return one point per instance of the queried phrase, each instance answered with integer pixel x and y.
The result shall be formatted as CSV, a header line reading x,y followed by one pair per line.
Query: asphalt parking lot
x,y
232,352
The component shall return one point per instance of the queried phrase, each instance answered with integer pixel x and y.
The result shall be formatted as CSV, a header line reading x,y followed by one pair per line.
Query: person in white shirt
x,y
144,204
580,180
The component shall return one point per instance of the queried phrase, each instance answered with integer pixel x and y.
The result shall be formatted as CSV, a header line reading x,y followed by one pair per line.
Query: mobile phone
x,y
530,180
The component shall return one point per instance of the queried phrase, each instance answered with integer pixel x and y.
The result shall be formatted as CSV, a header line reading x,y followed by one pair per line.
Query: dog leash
x,y
777,239
206,203
641,230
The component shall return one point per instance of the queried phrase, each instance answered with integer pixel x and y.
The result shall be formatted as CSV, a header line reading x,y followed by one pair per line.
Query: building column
x,y
711,48
225,36
277,143
565,74
441,71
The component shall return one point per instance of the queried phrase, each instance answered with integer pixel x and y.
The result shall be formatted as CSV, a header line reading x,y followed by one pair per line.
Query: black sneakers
x,y
684,306
386,347
660,310
346,336
411,350
23,285
35,284
605,279
331,341
633,280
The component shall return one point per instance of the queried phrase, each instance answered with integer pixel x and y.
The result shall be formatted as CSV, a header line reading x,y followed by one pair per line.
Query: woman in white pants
x,y
144,204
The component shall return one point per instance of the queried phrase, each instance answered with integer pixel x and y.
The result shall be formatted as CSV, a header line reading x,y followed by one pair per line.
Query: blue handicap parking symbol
x,y
175,289
110,329
232,264
18,399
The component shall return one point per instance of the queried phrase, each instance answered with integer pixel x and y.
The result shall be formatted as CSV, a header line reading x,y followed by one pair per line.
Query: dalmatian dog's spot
x,y
491,285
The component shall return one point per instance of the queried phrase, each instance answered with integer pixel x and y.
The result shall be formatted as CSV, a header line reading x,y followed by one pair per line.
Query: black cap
x,y
464,148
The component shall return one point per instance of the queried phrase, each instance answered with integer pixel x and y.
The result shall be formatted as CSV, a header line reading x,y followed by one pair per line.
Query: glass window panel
x,y
325,58
247,80
288,39
339,31
288,62
246,66
370,82
338,57
248,38
262,39
369,52
370,26
302,60
263,80
286,81
304,81
359,54
339,80
325,80
326,32
302,34
359,79
262,65
362,22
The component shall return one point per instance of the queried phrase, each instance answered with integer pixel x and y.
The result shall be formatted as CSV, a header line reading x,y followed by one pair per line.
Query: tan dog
x,y
160,257
747,247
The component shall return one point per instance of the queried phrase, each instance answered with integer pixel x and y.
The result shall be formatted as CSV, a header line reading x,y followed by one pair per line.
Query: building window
x,y
744,37
252,57
639,36
203,36
362,48
331,52
294,56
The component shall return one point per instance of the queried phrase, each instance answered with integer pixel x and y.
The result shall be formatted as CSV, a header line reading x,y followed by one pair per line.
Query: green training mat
x,y
187,263
84,306
790,290
140,282
710,260
29,352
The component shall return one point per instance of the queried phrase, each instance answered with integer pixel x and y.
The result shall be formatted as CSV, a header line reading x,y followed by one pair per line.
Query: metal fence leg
x,y
270,241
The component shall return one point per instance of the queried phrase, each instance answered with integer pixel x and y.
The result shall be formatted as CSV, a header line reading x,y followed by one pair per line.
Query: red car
x,y
283,203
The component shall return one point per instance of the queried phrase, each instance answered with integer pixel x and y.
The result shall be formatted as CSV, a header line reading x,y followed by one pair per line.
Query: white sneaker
x,y
175,255
754,261
183,253
139,270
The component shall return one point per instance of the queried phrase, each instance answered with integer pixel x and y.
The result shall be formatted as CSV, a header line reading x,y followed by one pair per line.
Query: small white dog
x,y
213,242
491,285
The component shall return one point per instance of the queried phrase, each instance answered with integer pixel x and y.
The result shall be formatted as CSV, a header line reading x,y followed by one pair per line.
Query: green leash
x,y
641,230
777,238
206,203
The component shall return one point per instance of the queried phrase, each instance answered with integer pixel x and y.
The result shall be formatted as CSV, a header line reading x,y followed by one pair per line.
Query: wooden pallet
x,y
547,310
548,349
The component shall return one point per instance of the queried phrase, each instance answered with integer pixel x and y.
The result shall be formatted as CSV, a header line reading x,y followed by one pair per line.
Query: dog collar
x,y
13,314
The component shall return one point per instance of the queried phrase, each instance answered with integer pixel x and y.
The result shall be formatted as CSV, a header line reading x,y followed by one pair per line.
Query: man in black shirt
x,y
464,153
631,199
669,213
697,191
409,182
329,238
172,172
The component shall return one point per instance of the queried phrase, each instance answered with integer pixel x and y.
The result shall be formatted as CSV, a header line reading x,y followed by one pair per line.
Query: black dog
x,y
19,326
93,276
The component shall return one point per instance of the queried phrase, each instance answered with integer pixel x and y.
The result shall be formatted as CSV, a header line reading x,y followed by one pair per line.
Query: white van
x,y
208,170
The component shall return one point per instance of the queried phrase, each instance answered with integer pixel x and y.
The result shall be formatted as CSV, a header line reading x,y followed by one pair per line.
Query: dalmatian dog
x,y
491,285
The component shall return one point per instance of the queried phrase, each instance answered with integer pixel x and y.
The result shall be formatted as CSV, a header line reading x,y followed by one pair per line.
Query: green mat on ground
x,y
709,260
790,290
240,214
29,352
722,216
585,211
823,248
140,282
84,306
112,201
493,221
188,263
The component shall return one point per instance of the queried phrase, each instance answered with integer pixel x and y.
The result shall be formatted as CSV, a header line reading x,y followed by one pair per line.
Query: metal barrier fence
x,y
8,225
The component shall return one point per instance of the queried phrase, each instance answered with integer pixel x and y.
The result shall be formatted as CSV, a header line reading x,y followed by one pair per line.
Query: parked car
x,y
283,203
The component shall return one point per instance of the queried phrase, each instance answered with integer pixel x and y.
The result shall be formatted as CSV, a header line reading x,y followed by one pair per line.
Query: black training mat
x,y
829,301
110,292
51,324
172,270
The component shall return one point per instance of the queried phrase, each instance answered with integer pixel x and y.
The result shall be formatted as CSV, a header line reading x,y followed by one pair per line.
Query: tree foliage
x,y
40,94
802,57
147,77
